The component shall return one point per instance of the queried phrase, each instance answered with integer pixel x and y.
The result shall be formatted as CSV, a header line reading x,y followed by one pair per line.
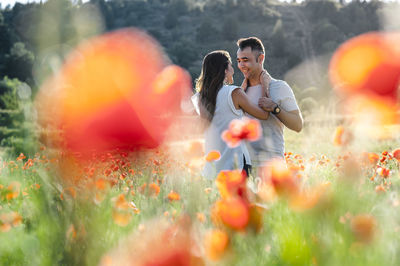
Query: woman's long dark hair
x,y
211,80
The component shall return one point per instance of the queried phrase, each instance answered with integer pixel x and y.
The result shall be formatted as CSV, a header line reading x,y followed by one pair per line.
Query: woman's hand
x,y
266,104
245,83
265,79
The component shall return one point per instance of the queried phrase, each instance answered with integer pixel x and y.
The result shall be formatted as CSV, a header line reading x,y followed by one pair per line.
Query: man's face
x,y
247,62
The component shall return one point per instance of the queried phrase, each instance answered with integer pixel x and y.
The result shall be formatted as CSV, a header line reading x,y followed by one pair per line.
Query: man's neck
x,y
255,80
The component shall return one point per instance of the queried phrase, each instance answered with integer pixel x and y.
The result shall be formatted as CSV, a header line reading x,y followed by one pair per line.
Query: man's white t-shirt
x,y
272,143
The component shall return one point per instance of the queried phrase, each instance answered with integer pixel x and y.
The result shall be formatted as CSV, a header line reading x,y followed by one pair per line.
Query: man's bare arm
x,y
292,119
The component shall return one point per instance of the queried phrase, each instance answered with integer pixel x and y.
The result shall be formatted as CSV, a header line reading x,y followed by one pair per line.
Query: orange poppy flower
x,y
244,129
9,220
13,190
207,190
154,189
306,200
142,188
364,227
380,189
194,149
216,244
213,156
21,157
121,218
341,136
281,178
370,158
120,202
231,184
232,212
173,196
101,184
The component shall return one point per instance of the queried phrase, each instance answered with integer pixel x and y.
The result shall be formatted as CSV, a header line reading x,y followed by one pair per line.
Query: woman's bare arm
x,y
241,100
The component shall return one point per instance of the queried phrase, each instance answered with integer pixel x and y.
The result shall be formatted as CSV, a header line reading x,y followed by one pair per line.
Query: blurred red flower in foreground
x,y
216,244
168,245
366,71
368,64
241,129
114,91
280,177
233,213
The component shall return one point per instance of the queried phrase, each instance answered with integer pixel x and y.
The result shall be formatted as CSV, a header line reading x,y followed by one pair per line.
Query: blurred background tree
x,y
28,29
36,37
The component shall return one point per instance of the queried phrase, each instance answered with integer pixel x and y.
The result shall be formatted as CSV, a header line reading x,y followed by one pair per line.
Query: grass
x,y
85,216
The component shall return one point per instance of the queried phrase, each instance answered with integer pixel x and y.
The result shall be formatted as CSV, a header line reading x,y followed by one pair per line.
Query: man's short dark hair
x,y
253,42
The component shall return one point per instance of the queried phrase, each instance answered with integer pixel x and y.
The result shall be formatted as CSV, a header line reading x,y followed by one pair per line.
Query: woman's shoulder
x,y
230,87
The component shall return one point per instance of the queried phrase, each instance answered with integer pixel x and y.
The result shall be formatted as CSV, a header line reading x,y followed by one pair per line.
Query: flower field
x,y
116,179
333,204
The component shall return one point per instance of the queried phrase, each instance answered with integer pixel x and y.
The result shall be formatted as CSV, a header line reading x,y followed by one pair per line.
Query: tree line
x,y
36,37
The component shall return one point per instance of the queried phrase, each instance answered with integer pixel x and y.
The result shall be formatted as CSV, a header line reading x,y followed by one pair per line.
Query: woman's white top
x,y
225,112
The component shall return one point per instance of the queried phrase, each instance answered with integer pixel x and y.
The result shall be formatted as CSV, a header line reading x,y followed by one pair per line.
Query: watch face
x,y
277,110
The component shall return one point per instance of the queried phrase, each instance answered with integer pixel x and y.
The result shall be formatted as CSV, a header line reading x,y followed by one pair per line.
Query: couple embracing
x,y
260,96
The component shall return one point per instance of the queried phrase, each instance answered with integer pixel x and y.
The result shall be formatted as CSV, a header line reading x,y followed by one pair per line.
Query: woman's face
x,y
229,74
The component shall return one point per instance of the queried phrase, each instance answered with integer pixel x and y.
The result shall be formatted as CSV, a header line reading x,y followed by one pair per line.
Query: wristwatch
x,y
276,110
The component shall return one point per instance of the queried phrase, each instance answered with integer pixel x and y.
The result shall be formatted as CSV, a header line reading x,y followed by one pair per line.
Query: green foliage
x,y
183,53
204,25
171,19
327,37
278,40
19,62
320,10
8,94
17,124
230,29
207,32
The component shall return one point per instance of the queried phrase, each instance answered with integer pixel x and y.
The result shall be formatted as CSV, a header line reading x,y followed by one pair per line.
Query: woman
x,y
219,104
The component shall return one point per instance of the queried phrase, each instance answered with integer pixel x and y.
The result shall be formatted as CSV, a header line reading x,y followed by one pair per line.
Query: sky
x,y
4,3
12,2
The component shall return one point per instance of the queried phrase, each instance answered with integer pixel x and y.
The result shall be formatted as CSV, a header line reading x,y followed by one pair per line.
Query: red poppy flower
x,y
244,129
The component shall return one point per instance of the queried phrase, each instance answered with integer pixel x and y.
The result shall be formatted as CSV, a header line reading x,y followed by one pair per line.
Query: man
x,y
281,102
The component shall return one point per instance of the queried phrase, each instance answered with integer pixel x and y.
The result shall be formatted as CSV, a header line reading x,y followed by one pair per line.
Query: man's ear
x,y
260,58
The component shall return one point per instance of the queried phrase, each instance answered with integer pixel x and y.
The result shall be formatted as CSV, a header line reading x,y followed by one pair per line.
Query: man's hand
x,y
266,104
265,79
